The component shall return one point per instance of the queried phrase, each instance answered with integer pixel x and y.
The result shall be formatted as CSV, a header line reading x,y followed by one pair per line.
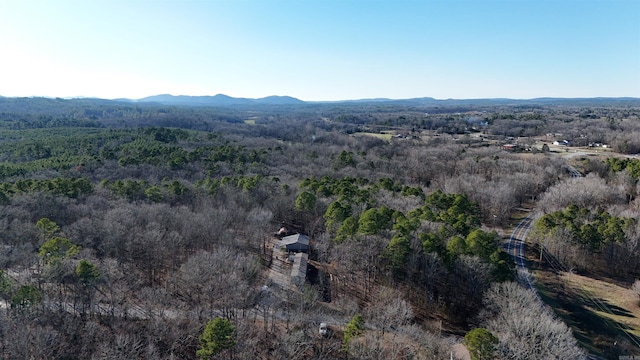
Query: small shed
x,y
295,243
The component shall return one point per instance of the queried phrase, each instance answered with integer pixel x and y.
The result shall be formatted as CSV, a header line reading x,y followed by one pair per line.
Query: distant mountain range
x,y
225,100
219,100
222,100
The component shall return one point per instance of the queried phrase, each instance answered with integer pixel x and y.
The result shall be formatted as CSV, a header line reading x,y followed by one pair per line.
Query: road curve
x,y
516,247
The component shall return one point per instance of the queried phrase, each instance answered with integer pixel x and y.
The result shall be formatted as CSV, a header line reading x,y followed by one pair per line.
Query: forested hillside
x,y
143,230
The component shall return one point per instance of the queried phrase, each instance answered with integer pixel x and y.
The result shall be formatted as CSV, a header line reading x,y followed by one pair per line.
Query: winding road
x,y
516,244
515,248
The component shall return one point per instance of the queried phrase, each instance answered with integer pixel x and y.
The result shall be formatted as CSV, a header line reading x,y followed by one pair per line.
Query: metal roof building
x,y
295,243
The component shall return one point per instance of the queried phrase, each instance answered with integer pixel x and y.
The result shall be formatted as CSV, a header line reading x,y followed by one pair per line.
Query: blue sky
x,y
321,49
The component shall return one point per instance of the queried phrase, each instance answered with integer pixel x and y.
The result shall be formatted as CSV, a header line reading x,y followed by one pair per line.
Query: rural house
x,y
295,243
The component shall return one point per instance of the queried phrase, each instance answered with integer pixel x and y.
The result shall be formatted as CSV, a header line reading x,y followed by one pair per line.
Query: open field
x,y
383,136
622,302
598,311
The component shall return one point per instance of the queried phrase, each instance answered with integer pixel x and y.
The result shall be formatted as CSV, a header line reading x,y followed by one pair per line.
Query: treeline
x,y
443,233
72,188
40,113
591,241
632,166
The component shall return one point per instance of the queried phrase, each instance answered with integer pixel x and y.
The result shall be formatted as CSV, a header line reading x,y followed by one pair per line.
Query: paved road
x,y
573,172
516,247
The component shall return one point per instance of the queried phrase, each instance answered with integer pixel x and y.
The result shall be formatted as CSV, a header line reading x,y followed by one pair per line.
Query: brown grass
x,y
622,302
604,317
383,136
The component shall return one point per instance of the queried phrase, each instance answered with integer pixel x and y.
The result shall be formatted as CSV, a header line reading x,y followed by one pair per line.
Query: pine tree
x,y
217,335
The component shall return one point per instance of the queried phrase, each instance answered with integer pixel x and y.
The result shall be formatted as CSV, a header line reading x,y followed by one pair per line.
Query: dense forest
x,y
139,230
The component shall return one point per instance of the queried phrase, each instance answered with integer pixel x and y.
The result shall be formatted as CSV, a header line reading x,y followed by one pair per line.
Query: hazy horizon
x,y
320,101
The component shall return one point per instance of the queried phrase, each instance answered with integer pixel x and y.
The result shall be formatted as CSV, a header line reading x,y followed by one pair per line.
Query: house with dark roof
x,y
295,243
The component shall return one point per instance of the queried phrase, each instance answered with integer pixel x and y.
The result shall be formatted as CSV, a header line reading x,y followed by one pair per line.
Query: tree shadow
x,y
605,306
595,332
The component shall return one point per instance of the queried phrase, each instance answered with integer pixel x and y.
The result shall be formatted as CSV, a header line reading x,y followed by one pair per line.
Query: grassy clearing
x,y
579,301
383,136
250,121
621,302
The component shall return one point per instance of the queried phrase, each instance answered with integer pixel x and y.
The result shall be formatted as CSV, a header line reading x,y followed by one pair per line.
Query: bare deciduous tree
x,y
588,192
388,311
525,327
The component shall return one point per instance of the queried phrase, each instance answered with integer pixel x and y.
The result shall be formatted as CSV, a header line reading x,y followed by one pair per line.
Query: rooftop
x,y
295,239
